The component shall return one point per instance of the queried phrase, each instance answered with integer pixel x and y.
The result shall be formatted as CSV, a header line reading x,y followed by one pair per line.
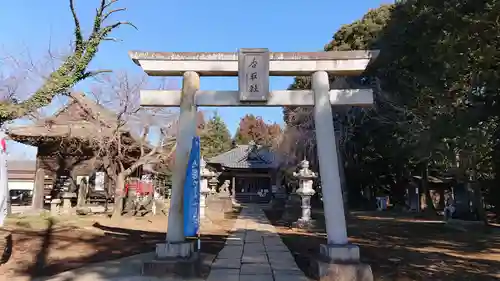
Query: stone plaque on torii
x,y
254,66
253,75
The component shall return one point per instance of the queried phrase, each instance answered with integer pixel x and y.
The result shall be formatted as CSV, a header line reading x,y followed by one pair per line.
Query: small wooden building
x,y
21,174
251,169
67,146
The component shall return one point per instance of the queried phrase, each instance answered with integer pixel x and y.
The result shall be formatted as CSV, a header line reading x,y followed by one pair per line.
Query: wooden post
x,y
186,132
233,190
39,188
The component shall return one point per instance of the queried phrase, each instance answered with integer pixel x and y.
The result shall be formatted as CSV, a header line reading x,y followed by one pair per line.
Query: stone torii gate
x,y
253,67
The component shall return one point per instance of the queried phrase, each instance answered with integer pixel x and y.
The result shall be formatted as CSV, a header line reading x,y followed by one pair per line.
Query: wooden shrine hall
x,y
67,146
251,169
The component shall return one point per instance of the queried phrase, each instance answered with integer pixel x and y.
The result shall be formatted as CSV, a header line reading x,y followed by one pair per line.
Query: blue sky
x,y
188,25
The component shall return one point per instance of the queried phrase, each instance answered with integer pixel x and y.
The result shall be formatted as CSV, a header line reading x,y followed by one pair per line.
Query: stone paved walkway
x,y
255,252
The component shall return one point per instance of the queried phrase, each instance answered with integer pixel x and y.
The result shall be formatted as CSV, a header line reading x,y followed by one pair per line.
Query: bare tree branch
x,y
73,68
94,73
78,31
108,14
129,142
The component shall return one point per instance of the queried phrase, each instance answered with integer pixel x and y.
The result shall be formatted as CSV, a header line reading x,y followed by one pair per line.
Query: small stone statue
x,y
224,188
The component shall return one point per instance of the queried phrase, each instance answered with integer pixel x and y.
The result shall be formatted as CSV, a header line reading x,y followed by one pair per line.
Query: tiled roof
x,y
104,122
246,157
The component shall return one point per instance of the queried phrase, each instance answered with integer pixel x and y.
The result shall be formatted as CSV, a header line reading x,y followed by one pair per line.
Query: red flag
x,y
3,144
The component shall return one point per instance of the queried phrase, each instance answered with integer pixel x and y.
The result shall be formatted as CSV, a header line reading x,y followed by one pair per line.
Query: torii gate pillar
x,y
343,258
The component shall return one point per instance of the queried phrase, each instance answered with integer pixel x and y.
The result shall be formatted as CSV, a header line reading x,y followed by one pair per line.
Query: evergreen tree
x,y
215,139
435,96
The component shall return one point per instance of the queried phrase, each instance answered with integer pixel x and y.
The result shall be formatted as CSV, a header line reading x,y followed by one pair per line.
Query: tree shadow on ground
x,y
105,247
115,244
396,250
404,249
131,266
40,263
107,244
212,243
7,249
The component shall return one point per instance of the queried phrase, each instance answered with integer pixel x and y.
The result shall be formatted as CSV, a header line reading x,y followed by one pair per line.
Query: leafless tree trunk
x,y
126,144
119,195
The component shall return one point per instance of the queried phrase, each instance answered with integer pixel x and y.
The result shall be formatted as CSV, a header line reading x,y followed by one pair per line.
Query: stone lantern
x,y
212,184
205,175
305,191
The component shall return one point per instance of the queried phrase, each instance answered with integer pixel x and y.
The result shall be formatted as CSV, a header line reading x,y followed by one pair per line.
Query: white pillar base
x,y
174,250
341,263
174,260
340,253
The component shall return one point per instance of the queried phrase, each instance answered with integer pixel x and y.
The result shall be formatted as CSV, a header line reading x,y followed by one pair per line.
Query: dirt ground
x,y
44,246
401,248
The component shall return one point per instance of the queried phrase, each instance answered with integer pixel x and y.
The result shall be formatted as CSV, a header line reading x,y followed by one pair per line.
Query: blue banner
x,y
192,191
